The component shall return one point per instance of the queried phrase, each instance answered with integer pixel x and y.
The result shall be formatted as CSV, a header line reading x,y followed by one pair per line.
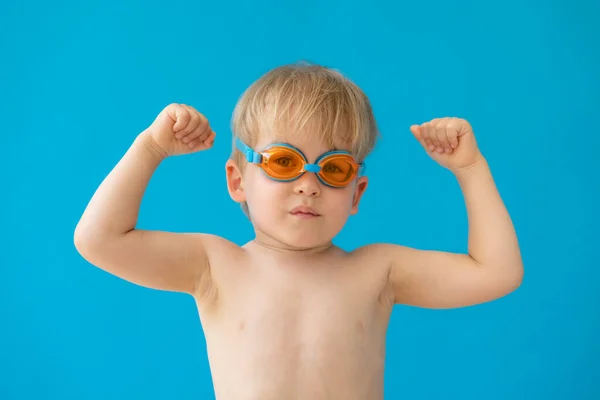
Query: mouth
x,y
304,212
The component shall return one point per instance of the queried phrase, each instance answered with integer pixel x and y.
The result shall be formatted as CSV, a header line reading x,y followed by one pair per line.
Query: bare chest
x,y
333,306
292,329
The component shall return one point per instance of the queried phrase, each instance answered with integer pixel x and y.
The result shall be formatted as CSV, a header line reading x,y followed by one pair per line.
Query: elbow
x,y
504,279
86,241
82,243
514,278
519,277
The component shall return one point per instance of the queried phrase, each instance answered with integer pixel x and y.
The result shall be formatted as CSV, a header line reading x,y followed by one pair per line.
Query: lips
x,y
304,211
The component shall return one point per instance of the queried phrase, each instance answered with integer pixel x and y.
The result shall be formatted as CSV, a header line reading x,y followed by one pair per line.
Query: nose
x,y
308,184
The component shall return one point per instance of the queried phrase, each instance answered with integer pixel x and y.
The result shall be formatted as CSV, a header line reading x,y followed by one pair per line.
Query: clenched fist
x,y
449,141
180,129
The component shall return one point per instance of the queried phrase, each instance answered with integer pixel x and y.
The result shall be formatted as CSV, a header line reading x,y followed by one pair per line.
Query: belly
x,y
298,349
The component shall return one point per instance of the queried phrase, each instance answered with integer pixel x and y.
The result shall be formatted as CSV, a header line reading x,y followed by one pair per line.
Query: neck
x,y
283,248
272,245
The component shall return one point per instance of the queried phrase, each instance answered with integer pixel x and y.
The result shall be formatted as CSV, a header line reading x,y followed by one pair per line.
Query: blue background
x,y
78,81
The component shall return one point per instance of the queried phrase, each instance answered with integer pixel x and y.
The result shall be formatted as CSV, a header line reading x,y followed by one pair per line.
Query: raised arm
x,y
493,266
106,234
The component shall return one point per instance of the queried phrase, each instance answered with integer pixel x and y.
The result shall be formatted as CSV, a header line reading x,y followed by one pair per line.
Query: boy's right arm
x,y
106,235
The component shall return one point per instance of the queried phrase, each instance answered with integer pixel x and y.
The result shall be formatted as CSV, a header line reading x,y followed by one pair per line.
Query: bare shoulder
x,y
221,254
218,246
395,264
402,266
374,270
375,256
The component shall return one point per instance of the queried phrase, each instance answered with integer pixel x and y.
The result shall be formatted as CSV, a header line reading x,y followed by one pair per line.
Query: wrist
x,y
146,140
480,164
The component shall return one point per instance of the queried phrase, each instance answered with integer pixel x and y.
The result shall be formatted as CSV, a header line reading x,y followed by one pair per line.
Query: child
x,y
289,315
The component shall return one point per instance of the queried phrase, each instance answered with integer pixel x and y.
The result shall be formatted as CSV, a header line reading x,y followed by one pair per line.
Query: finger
x,y
203,144
462,126
197,135
443,137
429,146
452,134
193,122
203,126
192,136
202,132
440,134
432,133
416,131
208,142
206,134
425,132
180,115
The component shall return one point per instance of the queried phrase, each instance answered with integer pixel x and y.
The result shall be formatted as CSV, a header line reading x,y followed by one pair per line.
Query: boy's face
x,y
272,204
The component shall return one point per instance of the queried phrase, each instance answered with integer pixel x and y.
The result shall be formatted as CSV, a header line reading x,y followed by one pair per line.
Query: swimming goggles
x,y
285,163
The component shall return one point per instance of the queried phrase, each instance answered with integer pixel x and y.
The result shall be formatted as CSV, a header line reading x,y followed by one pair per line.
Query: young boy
x,y
289,315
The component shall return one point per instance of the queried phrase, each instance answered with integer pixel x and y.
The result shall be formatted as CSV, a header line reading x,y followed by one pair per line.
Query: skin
x,y
289,314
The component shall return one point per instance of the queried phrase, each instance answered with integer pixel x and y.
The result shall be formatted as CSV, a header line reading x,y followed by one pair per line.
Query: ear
x,y
235,182
359,190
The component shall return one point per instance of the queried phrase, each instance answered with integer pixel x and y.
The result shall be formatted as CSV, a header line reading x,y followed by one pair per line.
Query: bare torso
x,y
311,328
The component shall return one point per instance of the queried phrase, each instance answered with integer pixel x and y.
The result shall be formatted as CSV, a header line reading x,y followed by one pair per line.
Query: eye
x,y
331,168
284,161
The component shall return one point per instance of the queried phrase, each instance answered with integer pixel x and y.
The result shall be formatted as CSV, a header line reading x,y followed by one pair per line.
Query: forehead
x,y
311,147
307,140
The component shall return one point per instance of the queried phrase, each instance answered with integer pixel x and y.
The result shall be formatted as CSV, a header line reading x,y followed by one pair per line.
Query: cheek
x,y
263,193
340,201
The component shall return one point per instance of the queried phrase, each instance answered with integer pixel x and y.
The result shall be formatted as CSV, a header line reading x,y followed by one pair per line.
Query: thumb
x,y
416,131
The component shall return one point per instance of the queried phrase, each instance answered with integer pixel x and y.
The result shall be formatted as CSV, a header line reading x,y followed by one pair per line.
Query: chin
x,y
306,237
297,232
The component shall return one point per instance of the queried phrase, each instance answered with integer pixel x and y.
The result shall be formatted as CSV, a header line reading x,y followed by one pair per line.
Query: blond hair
x,y
291,97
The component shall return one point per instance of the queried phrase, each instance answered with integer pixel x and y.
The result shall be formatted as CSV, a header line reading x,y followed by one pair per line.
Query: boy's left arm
x,y
493,266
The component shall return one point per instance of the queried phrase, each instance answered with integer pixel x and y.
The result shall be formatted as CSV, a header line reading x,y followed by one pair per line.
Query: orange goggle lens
x,y
286,164
282,163
338,170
